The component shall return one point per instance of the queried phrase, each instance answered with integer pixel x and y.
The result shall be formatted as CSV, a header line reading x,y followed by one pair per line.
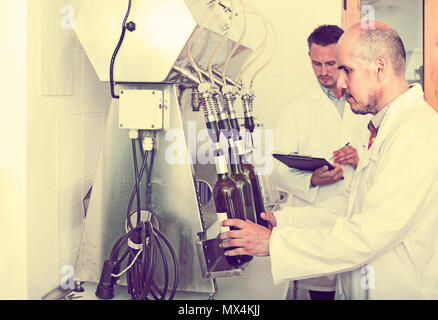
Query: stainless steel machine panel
x,y
174,200
162,29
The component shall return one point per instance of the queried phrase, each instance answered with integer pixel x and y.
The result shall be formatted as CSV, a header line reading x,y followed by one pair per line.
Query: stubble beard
x,y
370,108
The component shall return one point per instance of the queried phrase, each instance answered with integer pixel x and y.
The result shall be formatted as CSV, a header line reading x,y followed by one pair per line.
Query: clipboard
x,y
302,162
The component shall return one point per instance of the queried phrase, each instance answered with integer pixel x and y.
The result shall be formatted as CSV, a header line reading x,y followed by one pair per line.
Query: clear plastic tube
x,y
274,51
259,50
225,38
195,35
237,44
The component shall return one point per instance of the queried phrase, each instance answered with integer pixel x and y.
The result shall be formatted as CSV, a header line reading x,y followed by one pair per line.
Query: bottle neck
x,y
221,166
240,149
235,161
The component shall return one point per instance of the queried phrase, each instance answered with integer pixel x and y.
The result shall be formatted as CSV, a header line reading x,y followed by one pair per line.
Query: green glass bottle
x,y
227,198
243,184
249,171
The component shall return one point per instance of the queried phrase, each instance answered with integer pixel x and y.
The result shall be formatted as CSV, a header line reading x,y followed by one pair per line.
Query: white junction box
x,y
141,109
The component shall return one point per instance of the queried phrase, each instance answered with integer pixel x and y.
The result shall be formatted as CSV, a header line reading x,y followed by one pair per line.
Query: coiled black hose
x,y
144,246
140,276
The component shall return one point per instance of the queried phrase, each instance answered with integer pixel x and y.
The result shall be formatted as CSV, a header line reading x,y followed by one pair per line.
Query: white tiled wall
x,y
13,138
64,138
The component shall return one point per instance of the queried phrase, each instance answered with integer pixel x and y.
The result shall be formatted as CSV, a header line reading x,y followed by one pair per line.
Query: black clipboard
x,y
302,162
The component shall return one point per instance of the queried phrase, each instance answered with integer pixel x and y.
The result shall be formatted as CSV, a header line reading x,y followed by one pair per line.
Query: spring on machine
x,y
219,106
195,100
246,103
205,101
208,107
251,103
229,100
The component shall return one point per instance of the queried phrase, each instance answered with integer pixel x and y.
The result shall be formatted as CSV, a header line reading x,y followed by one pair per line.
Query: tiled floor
x,y
121,293
254,284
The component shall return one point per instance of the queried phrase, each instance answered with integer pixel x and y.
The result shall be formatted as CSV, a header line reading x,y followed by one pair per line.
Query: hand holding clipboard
x,y
302,162
323,172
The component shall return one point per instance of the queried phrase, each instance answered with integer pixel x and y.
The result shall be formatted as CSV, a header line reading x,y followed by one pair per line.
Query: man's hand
x,y
269,216
250,238
323,175
346,155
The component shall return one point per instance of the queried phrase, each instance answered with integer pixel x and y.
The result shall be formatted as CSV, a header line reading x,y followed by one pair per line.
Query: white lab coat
x,y
387,245
312,125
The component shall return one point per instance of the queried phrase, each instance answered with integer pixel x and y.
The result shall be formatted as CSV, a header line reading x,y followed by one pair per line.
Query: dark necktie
x,y
373,134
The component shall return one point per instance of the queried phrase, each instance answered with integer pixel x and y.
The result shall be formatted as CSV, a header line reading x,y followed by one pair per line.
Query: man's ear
x,y
382,64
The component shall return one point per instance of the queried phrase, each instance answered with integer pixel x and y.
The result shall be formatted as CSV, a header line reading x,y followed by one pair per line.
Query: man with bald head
x,y
318,122
359,54
387,245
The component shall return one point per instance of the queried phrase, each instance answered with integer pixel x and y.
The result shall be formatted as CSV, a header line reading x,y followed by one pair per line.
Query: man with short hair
x,y
317,123
386,246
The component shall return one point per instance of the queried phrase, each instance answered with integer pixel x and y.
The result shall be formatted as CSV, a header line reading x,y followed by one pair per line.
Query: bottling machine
x,y
146,50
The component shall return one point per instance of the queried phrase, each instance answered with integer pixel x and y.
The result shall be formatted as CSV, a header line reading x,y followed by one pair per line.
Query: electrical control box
x,y
141,109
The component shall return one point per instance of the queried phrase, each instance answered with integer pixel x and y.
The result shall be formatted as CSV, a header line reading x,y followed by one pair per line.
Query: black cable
x,y
166,276
116,51
144,154
149,260
142,267
148,181
137,183
140,277
133,193
175,260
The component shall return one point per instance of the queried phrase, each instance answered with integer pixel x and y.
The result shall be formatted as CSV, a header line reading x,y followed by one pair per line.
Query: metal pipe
x,y
228,79
193,78
187,74
216,80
